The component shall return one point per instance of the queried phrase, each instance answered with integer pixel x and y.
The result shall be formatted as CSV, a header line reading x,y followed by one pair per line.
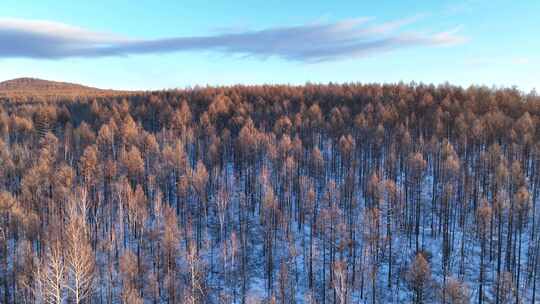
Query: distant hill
x,y
33,88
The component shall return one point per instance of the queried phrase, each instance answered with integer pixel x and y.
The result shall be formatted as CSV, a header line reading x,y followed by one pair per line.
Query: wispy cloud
x,y
317,42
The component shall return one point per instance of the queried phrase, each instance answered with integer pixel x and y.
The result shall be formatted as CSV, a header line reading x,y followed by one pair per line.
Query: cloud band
x,y
305,43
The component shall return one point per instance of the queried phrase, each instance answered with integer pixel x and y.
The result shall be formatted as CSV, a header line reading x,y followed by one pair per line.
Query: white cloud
x,y
318,42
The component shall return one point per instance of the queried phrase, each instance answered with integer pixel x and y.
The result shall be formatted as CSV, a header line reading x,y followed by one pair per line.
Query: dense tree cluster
x,y
272,194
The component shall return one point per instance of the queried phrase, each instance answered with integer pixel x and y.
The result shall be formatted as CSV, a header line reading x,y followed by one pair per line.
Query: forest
x,y
349,193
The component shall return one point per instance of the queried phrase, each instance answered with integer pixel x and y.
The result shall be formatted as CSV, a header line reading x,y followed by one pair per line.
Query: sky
x,y
147,45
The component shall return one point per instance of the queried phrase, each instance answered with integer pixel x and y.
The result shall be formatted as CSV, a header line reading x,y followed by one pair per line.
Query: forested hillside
x,y
354,193
25,89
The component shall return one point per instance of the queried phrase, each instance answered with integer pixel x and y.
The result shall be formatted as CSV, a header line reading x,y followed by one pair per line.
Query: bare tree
x,y
196,275
340,281
51,276
79,257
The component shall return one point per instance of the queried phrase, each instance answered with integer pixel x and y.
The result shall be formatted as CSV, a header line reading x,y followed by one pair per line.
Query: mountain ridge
x,y
36,88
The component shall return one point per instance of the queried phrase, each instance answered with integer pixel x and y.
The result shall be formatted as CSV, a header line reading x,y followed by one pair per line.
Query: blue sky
x,y
167,44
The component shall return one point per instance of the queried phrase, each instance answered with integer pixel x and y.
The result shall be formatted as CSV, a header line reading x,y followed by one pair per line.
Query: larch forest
x,y
351,193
